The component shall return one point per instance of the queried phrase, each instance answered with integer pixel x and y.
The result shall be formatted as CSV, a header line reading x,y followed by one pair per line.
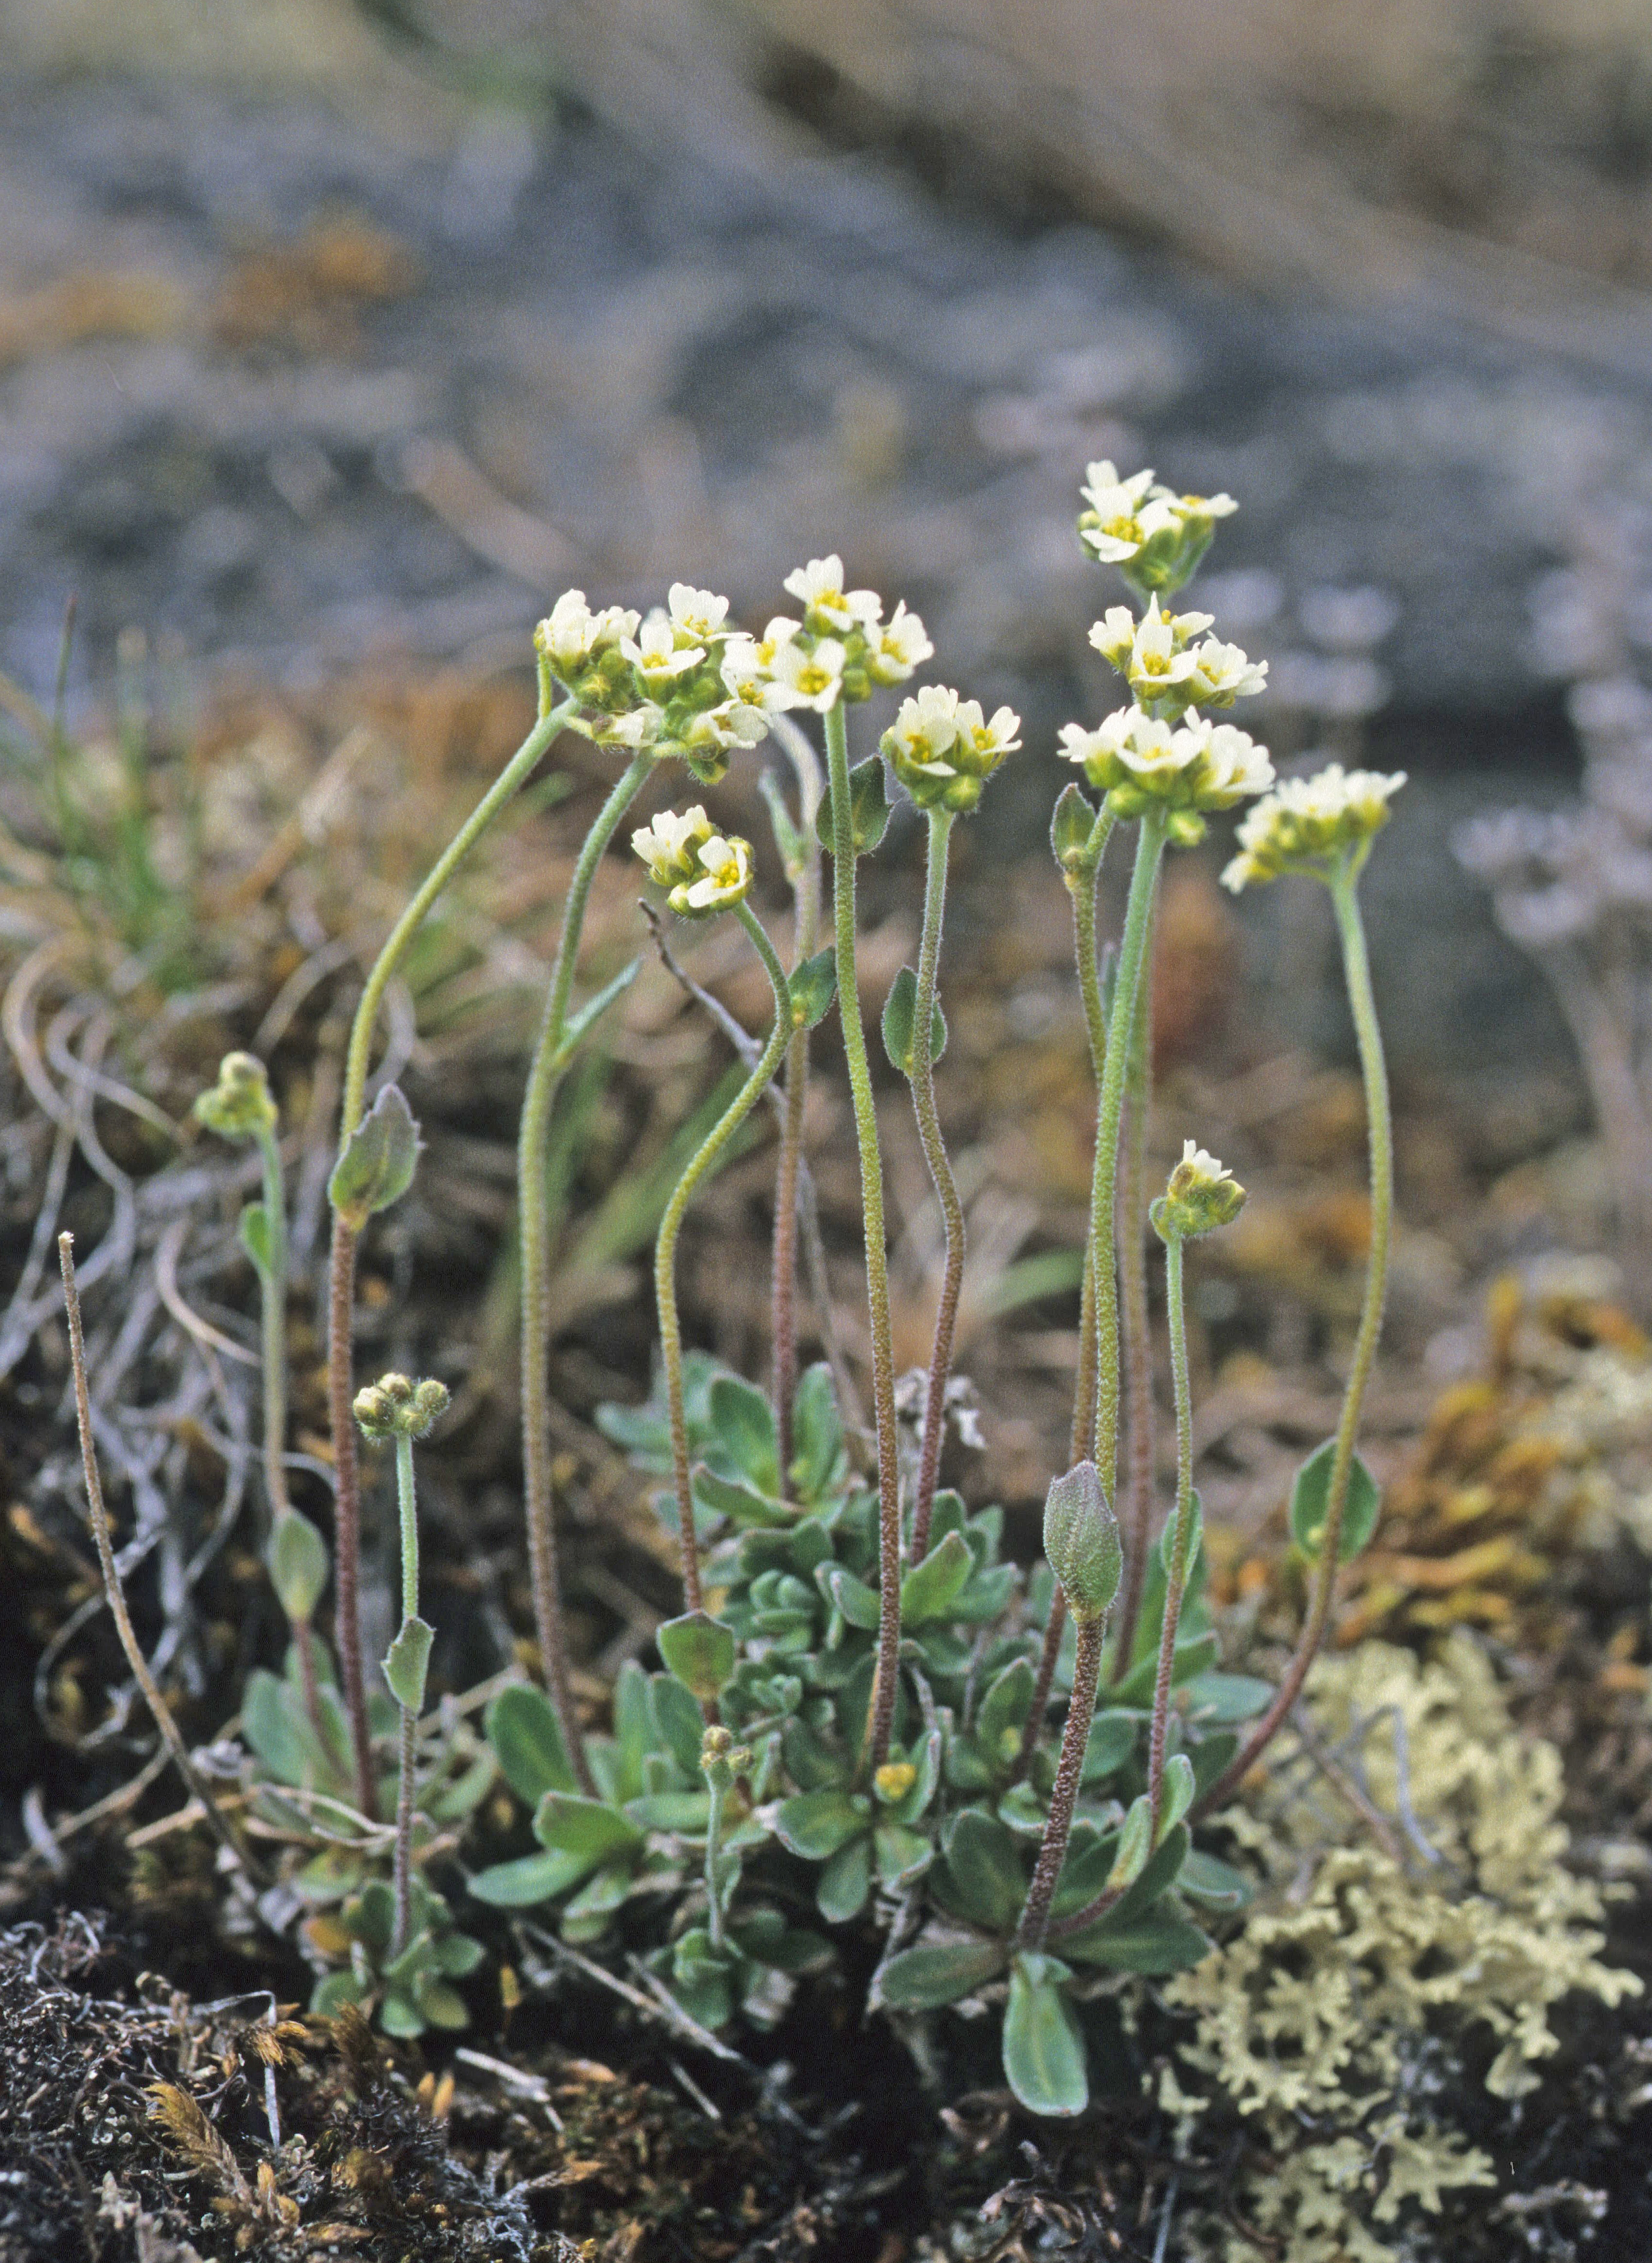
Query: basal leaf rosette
x,y
1142,762
943,750
1313,825
1155,537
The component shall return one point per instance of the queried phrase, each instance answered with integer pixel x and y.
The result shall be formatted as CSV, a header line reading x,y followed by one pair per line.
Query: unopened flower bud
x,y
1081,1541
1202,1195
239,1105
397,1407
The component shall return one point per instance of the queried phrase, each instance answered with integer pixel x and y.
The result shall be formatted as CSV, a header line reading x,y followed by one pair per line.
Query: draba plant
x,y
873,1743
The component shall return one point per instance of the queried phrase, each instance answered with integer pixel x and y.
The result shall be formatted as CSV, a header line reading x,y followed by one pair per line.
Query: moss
x,y
1374,1981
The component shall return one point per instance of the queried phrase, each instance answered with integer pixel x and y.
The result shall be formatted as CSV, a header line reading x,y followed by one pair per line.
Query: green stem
x,y
923,1101
666,1248
341,1262
713,1850
407,1509
881,1717
532,1197
805,892
1103,1254
1136,1522
1034,1920
272,1292
1082,885
1181,1538
1357,971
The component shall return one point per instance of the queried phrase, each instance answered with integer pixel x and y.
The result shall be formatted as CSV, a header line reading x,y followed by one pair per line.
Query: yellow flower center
x,y
894,1780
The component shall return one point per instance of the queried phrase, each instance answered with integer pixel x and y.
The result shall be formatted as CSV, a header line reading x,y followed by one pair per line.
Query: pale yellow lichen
x,y
1339,2016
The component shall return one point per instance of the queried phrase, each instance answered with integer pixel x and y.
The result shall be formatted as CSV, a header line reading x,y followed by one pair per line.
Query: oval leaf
x,y
929,1588
700,1651
527,1741
923,1979
380,1157
253,1232
983,1880
1310,1504
408,1661
1043,2049
900,1011
813,987
1176,1795
298,1565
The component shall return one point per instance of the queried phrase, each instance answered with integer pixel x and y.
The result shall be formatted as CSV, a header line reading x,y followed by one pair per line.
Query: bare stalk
x,y
1182,1537
1136,1521
1034,1920
803,871
923,1101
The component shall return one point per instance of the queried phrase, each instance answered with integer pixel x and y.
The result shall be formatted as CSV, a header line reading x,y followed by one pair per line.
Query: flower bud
x,y
1081,1541
1202,1195
1069,829
397,1407
239,1104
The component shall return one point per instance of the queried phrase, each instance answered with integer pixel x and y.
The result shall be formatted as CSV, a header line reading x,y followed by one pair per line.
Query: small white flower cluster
x,y
1154,536
1140,762
842,648
943,750
703,872
1166,669
660,684
1309,825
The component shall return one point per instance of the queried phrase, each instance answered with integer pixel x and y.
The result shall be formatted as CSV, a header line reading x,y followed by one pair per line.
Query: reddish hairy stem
x,y
1063,1799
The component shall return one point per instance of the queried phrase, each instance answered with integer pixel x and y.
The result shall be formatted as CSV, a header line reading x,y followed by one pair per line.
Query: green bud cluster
x,y
239,1105
395,1407
1202,1195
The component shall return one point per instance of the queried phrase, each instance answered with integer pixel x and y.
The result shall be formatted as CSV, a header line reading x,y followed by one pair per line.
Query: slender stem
x,y
1052,1853
666,1248
194,1783
1103,1184
272,1279
1082,887
713,1852
923,1101
881,1719
1357,969
407,1509
804,877
532,1195
341,1298
342,1264
1181,1538
1136,1522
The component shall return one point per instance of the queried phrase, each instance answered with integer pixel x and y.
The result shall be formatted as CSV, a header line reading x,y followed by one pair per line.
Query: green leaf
x,y
902,1854
1043,2049
869,809
1203,1879
376,1166
858,1602
253,1233
1211,1755
298,1565
1111,1741
1193,1657
1081,1541
686,1813
1195,1538
271,1727
1001,1726
740,1502
1310,1504
743,1425
842,1887
813,985
1176,1794
527,1740
442,2006
634,1729
817,1429
534,1878
984,1880
408,1661
923,1979
1156,1944
816,1824
1164,1867
929,1589
700,1651
1135,1844
900,1011
593,1011
1219,1699
1070,829
570,1825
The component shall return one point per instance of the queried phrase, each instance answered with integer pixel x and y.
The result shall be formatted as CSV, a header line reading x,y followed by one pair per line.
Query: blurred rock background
x,y
331,331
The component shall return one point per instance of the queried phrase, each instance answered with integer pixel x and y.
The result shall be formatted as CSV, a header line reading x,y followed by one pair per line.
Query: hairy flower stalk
x,y
880,1719
1343,881
671,1227
400,1410
803,873
346,1235
923,1101
1081,1542
1201,1197
1139,1350
533,1136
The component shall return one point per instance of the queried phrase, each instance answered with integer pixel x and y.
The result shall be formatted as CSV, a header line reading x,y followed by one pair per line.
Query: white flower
x,y
1202,1195
1108,496
897,647
1235,766
924,729
1157,664
1078,745
725,868
669,846
638,726
696,615
816,677
1221,673
1305,824
733,723
1114,636
750,675
571,632
1192,506
982,746
819,587
654,652
1148,748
